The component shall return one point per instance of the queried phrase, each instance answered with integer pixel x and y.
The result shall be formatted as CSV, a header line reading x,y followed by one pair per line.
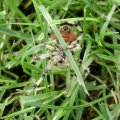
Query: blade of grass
x,y
73,20
92,6
105,25
39,105
37,13
18,113
105,111
14,33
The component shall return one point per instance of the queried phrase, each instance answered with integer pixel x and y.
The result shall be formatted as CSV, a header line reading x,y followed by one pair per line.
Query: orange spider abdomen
x,y
67,33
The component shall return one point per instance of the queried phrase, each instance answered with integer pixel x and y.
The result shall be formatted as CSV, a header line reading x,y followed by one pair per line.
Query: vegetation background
x,y
25,27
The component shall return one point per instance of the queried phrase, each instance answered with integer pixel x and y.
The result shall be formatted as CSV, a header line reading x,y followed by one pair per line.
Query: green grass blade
x,y
14,33
74,19
105,25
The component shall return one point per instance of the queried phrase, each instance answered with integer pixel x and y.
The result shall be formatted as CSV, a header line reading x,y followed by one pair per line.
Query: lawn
x,y
84,86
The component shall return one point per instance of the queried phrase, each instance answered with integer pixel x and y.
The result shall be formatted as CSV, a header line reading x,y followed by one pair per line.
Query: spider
x,y
56,55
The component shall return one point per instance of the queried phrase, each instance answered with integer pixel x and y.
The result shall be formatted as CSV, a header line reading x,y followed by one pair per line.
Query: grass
x,y
86,90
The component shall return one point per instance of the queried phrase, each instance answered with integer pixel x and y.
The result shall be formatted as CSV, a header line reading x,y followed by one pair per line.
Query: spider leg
x,y
62,56
44,74
75,45
44,56
48,67
41,57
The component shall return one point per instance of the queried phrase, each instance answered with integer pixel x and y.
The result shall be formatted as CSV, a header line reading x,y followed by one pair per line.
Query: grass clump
x,y
83,91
